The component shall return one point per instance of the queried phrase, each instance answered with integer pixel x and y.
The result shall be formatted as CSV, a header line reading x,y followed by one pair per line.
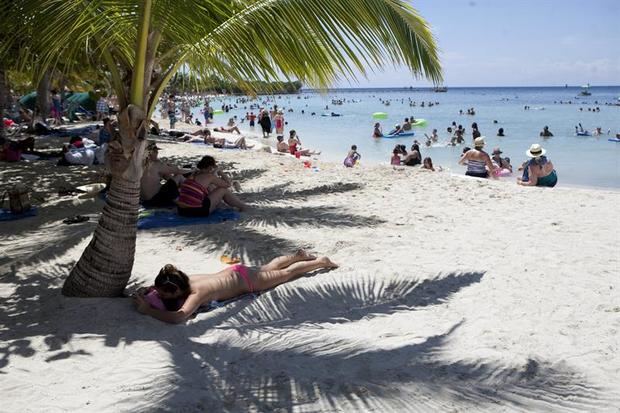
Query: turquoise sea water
x,y
590,161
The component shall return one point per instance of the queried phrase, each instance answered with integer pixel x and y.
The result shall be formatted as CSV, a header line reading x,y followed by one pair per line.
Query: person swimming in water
x,y
175,296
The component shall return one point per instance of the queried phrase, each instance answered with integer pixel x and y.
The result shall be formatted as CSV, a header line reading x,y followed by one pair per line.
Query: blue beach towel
x,y
168,218
7,215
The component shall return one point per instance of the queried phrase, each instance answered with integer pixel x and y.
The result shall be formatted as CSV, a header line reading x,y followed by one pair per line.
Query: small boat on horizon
x,y
439,89
585,91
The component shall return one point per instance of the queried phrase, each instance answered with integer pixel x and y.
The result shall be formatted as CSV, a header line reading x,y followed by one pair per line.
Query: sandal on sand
x,y
75,219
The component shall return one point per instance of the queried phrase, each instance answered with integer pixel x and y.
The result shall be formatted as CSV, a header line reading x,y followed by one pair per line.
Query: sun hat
x,y
535,151
479,142
497,151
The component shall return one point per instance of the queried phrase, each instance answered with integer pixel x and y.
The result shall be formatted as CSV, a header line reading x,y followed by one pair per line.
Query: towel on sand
x,y
149,219
7,215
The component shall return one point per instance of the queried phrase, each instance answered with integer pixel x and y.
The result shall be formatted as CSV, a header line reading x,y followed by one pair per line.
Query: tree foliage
x,y
143,43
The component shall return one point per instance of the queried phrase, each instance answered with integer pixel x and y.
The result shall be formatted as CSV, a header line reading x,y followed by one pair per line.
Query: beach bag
x,y
19,199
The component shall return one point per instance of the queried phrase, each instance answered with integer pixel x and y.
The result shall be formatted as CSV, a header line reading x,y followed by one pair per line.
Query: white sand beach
x,y
452,294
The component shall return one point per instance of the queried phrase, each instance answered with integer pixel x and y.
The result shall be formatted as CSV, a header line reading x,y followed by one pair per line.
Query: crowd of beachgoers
x,y
87,146
198,189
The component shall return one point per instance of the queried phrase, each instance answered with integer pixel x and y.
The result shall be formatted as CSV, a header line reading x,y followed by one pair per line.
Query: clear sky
x,y
518,43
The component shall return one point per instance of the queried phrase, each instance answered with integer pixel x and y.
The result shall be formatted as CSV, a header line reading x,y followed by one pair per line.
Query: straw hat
x,y
479,142
535,151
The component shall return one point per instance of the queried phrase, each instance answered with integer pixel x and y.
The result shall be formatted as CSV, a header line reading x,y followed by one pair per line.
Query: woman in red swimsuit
x,y
176,296
195,198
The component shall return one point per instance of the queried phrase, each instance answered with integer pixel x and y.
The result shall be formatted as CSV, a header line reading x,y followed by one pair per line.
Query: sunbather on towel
x,y
209,139
206,188
175,297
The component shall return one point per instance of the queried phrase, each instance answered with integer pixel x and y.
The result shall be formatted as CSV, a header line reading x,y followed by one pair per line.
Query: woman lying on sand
x,y
176,296
204,136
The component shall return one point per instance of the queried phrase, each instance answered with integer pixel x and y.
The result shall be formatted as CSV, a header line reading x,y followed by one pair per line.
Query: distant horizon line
x,y
453,87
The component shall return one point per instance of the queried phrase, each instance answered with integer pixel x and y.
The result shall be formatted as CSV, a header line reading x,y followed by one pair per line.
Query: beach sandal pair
x,y
75,219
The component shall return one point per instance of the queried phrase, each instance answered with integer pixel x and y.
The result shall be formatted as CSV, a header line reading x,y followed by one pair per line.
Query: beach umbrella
x,y
379,115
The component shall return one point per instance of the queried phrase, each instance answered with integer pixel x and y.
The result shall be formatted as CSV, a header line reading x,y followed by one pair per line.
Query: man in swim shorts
x,y
152,192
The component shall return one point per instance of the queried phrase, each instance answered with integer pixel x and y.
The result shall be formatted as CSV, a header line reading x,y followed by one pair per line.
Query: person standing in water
x,y
377,132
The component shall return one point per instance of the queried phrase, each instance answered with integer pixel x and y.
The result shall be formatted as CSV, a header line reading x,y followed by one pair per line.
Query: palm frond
x,y
315,41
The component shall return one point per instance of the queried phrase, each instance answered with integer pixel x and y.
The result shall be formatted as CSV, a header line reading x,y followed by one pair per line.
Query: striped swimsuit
x,y
193,199
477,168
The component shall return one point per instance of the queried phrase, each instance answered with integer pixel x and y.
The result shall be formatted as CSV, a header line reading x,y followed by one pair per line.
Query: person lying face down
x,y
175,296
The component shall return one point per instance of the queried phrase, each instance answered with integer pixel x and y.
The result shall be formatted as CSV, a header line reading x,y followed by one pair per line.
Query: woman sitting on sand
x,y
414,157
478,162
538,171
502,165
281,146
202,192
294,144
175,296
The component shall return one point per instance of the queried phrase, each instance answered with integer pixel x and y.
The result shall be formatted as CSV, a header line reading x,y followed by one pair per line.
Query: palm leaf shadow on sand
x,y
285,371
281,192
410,377
340,300
241,239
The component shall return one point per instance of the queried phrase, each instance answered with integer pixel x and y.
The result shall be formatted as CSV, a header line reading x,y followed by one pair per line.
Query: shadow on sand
x,y
264,361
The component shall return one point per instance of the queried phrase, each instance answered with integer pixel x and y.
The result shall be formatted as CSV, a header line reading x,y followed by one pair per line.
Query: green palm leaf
x,y
315,41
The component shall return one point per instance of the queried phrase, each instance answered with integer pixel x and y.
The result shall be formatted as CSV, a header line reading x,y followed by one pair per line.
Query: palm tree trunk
x,y
43,96
105,266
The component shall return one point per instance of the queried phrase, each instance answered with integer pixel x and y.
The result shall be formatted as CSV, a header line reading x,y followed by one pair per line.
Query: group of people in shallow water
x,y
538,170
